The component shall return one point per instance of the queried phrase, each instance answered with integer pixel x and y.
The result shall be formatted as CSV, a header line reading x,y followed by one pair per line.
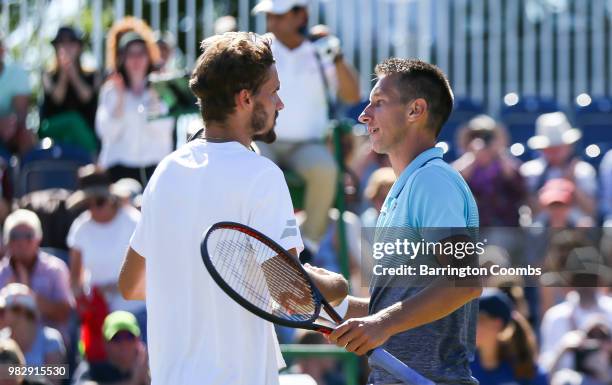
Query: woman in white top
x,y
134,138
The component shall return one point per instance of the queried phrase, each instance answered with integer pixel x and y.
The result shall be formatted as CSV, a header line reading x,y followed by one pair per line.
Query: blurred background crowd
x,y
78,144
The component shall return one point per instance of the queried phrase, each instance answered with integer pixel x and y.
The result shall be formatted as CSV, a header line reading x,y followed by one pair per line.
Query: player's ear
x,y
416,109
244,99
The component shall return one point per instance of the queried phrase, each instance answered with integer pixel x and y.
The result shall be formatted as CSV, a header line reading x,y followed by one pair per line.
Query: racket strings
x,y
262,276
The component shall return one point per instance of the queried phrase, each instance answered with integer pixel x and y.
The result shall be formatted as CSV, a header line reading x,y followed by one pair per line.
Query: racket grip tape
x,y
397,368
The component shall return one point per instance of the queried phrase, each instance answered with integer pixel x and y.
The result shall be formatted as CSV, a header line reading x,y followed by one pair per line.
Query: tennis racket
x,y
268,281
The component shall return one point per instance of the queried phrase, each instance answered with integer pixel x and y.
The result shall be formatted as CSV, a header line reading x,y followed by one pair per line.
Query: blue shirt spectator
x,y
506,345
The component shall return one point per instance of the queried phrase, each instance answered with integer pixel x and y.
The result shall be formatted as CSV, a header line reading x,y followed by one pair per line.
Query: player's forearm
x,y
358,307
333,286
429,305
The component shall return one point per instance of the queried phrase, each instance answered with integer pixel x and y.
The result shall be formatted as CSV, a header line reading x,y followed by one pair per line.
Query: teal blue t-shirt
x,y
13,82
431,201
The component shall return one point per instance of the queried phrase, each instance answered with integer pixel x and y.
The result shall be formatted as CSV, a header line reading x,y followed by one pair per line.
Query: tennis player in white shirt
x,y
197,334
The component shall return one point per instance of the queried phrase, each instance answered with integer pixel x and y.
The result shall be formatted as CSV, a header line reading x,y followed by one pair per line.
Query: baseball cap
x,y
557,190
22,217
278,7
129,37
119,321
496,304
17,294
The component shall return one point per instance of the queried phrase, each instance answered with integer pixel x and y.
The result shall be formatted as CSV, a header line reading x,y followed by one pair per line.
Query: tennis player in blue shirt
x,y
430,328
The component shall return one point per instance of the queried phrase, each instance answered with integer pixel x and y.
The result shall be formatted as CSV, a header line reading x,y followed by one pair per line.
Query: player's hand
x,y
360,335
332,285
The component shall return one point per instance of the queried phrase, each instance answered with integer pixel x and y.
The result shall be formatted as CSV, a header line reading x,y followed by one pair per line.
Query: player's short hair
x,y
229,63
418,79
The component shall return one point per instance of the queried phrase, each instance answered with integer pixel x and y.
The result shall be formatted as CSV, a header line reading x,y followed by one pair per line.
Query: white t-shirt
x,y
103,247
305,115
565,317
197,334
132,140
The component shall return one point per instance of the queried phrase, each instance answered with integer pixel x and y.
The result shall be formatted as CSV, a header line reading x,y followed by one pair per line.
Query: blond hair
x,y
129,24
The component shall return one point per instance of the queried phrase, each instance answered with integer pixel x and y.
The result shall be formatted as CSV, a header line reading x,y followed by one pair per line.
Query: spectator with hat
x,y
99,237
577,265
46,275
126,362
506,344
313,75
555,139
131,119
556,200
70,94
40,344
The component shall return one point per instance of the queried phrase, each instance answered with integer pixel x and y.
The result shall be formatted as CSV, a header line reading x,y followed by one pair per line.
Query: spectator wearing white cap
x,y
555,139
41,345
46,275
312,76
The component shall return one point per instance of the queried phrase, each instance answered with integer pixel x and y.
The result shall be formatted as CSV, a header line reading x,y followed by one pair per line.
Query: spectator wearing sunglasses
x,y
99,237
46,275
126,362
41,345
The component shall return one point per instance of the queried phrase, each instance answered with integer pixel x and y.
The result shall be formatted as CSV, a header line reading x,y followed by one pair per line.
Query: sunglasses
x,y
21,235
123,336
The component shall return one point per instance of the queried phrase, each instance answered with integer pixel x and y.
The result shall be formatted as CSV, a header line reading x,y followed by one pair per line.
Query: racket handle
x,y
397,368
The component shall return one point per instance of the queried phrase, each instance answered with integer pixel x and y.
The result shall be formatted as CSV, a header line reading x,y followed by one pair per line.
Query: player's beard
x,y
259,120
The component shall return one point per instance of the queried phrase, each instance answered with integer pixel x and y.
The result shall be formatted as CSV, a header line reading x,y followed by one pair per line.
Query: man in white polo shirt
x,y
302,126
196,333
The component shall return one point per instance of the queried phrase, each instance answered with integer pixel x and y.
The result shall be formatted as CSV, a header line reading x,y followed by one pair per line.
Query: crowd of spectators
x,y
63,248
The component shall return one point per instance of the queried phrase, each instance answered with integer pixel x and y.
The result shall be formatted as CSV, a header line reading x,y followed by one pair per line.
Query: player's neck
x,y
404,153
227,132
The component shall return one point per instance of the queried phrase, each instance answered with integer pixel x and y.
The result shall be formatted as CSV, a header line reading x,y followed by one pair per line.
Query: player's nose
x,y
365,116
280,105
